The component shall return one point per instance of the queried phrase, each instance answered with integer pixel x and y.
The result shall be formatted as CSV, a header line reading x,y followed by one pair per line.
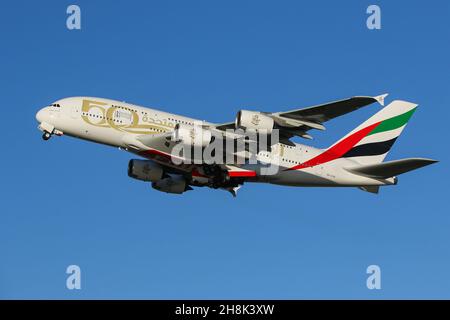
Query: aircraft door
x,y
74,111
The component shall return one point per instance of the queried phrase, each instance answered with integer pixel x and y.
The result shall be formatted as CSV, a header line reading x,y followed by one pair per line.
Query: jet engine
x,y
145,170
254,121
192,136
173,184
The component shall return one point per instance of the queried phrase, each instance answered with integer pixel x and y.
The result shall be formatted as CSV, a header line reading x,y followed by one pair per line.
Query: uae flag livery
x,y
385,133
370,142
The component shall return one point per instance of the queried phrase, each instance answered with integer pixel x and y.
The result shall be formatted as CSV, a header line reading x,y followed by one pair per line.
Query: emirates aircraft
x,y
167,143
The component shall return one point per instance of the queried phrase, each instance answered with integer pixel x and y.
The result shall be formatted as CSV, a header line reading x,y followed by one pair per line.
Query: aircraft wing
x,y
298,122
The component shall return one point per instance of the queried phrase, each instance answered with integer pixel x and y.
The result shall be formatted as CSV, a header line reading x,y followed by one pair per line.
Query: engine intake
x,y
254,121
145,170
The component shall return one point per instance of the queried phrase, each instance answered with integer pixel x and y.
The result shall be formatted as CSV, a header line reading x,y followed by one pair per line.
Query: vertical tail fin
x,y
370,142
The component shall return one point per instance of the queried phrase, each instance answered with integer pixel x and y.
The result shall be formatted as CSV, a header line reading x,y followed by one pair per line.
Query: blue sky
x,y
71,202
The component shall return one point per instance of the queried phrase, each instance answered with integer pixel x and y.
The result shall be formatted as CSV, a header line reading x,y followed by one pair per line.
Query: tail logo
x,y
354,146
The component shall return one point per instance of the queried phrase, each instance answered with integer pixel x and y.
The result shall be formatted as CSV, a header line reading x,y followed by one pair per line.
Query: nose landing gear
x,y
47,130
46,135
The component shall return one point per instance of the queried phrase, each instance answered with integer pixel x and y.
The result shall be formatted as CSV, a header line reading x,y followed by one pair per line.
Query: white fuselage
x,y
117,124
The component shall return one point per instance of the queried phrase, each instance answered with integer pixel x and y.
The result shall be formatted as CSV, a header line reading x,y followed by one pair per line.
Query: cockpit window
x,y
56,105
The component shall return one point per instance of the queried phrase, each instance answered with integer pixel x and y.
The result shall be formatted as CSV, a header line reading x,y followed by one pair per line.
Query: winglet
x,y
380,98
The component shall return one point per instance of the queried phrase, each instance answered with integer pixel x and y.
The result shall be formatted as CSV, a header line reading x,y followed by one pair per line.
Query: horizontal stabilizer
x,y
389,169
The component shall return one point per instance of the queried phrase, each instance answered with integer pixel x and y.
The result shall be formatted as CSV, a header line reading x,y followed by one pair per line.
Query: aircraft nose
x,y
40,115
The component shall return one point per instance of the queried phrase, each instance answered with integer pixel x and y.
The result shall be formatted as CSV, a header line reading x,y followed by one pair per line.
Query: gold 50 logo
x,y
100,114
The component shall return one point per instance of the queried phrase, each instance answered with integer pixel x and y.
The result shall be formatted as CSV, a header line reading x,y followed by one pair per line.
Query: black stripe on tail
x,y
370,149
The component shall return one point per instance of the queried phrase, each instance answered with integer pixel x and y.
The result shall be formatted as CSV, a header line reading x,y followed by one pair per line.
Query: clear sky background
x,y
69,202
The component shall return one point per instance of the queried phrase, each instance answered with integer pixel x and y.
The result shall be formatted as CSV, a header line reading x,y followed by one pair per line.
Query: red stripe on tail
x,y
338,150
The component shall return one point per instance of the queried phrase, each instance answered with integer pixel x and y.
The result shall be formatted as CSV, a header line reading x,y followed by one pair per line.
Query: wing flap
x,y
370,189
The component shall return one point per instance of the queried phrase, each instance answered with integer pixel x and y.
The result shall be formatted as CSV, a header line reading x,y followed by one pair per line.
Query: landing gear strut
x,y
46,135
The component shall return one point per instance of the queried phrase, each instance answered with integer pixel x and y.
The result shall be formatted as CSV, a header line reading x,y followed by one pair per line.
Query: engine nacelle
x,y
175,184
145,170
191,136
254,121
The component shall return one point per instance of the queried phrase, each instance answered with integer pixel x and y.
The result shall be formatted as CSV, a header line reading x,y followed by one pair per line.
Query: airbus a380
x,y
356,160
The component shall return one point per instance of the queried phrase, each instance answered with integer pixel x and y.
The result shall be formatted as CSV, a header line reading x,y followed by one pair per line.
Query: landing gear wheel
x,y
46,136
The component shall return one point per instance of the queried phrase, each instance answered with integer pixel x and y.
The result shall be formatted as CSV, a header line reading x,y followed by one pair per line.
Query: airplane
x,y
355,160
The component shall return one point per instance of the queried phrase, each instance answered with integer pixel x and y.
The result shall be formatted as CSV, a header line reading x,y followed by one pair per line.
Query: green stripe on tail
x,y
393,123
